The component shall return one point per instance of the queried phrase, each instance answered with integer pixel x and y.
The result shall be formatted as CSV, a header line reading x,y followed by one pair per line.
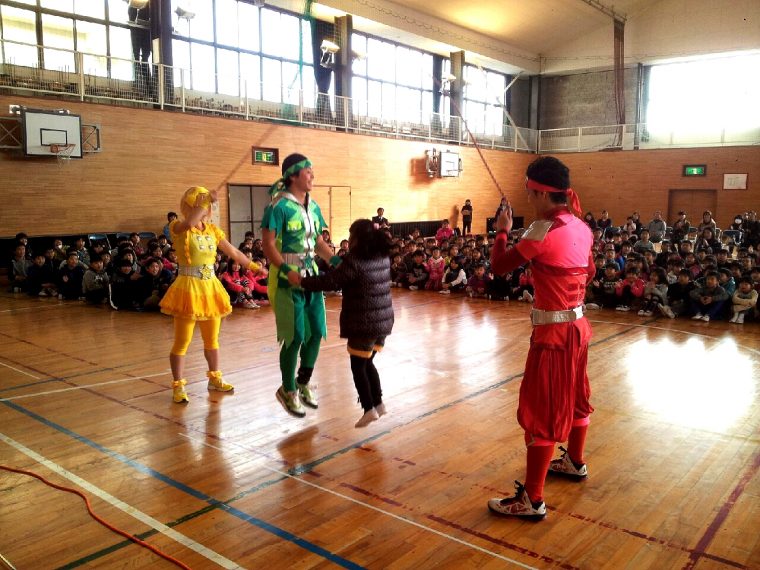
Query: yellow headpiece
x,y
191,197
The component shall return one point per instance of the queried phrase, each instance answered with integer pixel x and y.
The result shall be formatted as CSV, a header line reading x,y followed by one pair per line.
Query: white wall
x,y
666,30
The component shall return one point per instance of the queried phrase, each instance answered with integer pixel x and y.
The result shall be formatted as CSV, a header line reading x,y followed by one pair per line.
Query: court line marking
x,y
86,386
122,506
32,308
187,489
361,503
20,371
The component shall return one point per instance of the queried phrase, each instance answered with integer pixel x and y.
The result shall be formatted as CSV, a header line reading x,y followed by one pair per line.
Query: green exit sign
x,y
694,169
270,156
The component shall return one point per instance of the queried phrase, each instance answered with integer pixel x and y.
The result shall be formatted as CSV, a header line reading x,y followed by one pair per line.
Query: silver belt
x,y
301,261
539,317
198,271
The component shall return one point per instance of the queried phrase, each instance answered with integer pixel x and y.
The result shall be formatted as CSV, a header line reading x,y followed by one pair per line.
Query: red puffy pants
x,y
555,389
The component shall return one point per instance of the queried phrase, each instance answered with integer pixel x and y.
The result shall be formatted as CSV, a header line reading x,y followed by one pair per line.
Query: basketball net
x,y
62,152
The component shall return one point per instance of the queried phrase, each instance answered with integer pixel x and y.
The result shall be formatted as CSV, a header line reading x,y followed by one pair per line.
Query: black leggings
x,y
367,381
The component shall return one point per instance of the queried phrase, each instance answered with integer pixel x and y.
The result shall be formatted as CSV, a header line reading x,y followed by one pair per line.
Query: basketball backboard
x,y
45,129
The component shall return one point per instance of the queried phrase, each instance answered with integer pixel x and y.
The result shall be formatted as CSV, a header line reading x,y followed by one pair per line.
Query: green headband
x,y
279,184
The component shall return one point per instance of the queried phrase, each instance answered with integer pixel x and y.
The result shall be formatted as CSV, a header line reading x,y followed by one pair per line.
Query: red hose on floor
x,y
96,517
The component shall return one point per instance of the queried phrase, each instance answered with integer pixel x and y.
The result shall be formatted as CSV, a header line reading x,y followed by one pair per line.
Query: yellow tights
x,y
183,334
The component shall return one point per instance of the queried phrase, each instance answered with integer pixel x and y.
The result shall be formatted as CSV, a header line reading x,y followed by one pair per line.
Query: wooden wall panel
x,y
149,157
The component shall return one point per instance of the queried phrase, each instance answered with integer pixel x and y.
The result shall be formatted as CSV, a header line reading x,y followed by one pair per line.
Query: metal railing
x,y
97,78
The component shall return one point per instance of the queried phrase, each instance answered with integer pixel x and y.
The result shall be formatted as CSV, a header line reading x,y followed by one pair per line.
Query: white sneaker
x,y
592,307
413,287
381,411
740,318
623,308
518,506
289,401
697,317
647,314
706,318
308,395
565,467
368,417
667,311
641,312
42,294
527,297
445,292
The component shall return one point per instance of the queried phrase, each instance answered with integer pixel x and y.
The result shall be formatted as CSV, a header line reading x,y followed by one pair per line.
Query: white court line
x,y
366,505
32,308
21,371
96,385
122,506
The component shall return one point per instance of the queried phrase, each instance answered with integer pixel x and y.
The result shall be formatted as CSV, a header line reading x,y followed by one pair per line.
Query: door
x,y
693,202
247,204
335,203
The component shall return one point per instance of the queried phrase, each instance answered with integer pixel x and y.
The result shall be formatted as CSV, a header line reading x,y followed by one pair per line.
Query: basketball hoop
x,y
62,152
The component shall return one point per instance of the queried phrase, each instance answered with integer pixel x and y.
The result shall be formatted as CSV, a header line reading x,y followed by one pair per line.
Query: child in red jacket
x,y
629,289
238,284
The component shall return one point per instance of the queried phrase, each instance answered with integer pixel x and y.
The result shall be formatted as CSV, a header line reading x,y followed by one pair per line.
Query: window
x,y
484,100
58,32
117,11
248,27
240,34
250,75
91,40
272,79
202,70
103,32
18,26
681,94
228,74
227,22
121,53
394,82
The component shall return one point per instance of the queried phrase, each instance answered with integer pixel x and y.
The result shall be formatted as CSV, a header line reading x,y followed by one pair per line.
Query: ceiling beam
x,y
619,16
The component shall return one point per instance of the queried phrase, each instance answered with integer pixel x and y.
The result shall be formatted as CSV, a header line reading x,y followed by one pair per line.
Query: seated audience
x,y
708,300
744,301
70,277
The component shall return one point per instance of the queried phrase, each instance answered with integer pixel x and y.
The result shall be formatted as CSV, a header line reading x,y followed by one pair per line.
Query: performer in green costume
x,y
292,238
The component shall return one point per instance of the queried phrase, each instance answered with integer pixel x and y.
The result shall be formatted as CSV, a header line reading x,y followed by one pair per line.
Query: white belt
x,y
198,271
301,261
539,317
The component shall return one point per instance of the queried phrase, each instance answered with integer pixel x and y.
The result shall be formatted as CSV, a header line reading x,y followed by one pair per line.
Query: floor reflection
x,y
697,383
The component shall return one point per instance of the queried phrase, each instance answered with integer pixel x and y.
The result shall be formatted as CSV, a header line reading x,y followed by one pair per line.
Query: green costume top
x,y
296,229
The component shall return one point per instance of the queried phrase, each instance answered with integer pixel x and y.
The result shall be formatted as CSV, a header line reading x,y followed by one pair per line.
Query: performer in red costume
x,y
554,394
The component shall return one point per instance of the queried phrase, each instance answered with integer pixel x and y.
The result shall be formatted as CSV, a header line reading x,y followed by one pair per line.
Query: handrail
x,y
133,82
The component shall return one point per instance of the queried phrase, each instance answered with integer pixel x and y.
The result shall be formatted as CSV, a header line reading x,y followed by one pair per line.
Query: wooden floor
x,y
232,481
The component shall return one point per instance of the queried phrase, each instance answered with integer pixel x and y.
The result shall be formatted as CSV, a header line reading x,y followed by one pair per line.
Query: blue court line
x,y
307,467
334,558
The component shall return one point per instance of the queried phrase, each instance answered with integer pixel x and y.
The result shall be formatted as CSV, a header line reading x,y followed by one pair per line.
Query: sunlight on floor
x,y
693,383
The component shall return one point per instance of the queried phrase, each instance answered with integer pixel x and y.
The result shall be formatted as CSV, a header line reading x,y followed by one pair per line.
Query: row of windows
x,y
235,48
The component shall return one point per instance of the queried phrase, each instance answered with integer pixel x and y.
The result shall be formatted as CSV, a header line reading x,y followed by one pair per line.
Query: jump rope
x,y
84,497
94,516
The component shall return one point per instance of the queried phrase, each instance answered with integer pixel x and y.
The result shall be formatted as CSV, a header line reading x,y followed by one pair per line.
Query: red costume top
x,y
555,390
559,249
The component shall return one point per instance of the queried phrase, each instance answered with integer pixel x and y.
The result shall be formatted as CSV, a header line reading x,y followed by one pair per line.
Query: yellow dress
x,y
196,293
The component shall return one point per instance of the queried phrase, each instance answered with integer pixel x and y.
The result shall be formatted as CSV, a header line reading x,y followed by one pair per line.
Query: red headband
x,y
575,203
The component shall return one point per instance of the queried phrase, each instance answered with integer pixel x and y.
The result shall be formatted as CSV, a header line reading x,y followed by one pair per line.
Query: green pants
x,y
302,334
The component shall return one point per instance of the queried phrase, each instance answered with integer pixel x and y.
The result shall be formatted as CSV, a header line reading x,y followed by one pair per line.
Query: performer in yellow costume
x,y
197,295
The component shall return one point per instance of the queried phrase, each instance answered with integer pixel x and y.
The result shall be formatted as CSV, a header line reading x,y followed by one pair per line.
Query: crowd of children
x,y
703,277
131,276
